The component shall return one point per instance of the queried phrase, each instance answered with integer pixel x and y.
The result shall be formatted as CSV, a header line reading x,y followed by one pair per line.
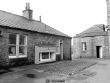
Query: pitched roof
x,y
96,30
20,22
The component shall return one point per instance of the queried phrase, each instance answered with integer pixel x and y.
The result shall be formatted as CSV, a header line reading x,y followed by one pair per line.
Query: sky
x,y
68,16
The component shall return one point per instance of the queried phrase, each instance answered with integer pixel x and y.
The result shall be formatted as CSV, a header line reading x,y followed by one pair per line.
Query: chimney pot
x,y
27,6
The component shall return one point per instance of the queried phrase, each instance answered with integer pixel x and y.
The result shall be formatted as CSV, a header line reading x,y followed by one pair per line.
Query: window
x,y
17,45
12,45
22,45
12,39
44,56
12,50
84,47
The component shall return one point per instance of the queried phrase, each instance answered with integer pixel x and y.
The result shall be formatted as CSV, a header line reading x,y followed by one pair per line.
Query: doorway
x,y
99,52
61,50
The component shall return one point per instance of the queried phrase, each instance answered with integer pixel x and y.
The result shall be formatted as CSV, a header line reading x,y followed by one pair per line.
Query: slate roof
x,y
20,22
96,30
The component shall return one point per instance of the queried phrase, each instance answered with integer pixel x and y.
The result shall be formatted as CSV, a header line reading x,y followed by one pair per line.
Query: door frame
x,y
99,52
61,50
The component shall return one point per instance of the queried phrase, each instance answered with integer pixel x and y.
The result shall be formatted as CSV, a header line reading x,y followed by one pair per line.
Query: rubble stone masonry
x,y
33,39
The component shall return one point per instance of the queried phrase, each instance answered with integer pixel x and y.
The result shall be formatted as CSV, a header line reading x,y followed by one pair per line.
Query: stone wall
x,y
109,40
108,21
33,39
76,48
102,41
91,43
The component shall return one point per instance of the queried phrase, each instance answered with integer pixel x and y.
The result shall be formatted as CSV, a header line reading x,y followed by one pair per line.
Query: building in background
x,y
108,21
24,40
91,43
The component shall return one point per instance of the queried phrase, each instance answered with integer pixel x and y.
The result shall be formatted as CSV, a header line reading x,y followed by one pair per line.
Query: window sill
x,y
84,51
20,56
11,57
57,53
46,60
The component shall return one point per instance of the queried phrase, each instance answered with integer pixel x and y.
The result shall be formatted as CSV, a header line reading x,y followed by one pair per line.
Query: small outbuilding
x,y
91,43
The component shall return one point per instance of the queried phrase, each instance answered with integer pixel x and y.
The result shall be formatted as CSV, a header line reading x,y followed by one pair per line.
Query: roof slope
x,y
16,21
96,30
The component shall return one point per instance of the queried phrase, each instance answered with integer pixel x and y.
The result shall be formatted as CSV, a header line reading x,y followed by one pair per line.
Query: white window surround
x,y
38,54
84,47
17,47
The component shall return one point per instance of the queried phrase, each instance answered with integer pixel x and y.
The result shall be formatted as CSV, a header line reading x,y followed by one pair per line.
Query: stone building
x,y
92,43
108,21
24,40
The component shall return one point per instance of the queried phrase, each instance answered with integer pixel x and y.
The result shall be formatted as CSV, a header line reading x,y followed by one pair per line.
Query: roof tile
x,y
16,21
96,30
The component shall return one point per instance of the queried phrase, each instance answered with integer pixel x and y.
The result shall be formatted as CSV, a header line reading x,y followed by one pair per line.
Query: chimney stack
x,y
28,13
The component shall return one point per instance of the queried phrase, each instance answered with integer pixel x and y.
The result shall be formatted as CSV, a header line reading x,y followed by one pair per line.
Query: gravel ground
x,y
65,67
62,71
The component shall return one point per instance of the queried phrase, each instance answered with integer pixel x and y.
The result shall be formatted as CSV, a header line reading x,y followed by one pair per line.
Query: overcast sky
x,y
68,16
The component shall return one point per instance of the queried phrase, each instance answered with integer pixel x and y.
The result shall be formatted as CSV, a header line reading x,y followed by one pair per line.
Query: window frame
x,y
25,46
17,55
84,46
50,54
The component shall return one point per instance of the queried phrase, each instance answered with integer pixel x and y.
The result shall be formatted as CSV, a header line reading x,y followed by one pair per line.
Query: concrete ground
x,y
76,71
99,73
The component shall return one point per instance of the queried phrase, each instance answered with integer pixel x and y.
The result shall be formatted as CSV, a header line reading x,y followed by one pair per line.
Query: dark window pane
x,y
12,38
21,40
21,50
45,55
12,50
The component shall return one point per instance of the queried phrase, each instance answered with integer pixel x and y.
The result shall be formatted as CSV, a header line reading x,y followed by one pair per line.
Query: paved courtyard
x,y
60,71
